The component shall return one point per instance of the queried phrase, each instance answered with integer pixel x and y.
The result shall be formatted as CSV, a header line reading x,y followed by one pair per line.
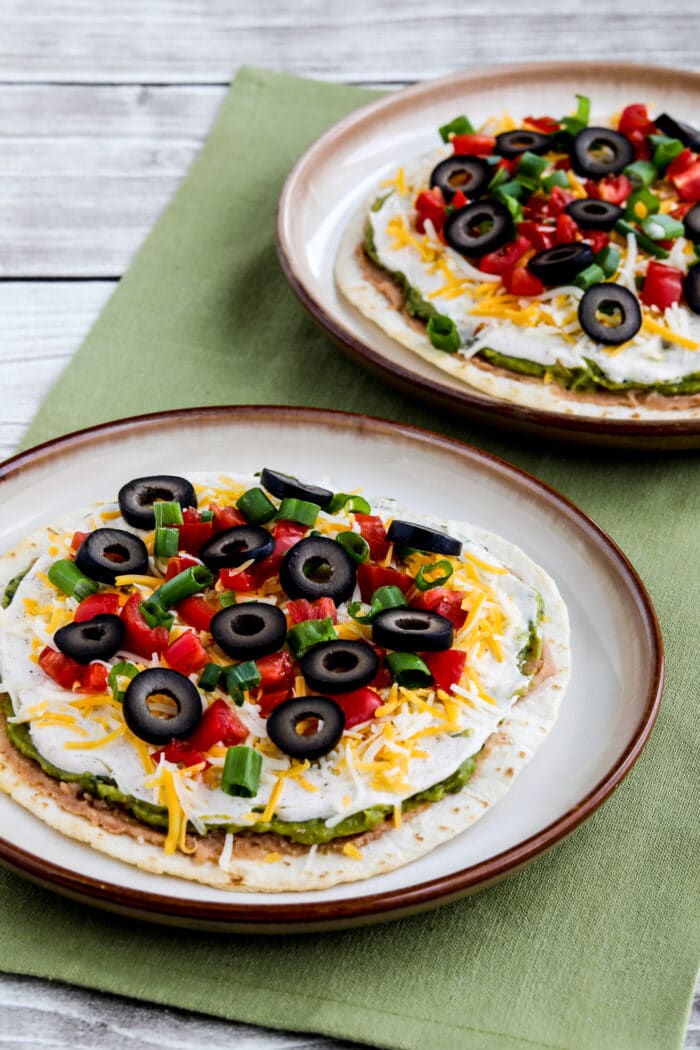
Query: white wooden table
x,y
103,106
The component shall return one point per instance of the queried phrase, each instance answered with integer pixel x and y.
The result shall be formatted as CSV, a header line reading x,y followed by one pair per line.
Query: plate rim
x,y
379,906
678,433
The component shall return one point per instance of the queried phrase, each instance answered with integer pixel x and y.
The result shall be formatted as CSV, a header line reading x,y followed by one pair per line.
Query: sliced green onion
x,y
206,515
459,126
227,598
593,274
424,584
530,168
408,670
303,636
68,578
241,773
443,334
123,669
608,259
167,513
666,149
644,242
187,583
641,203
155,615
298,510
356,504
508,201
241,678
641,172
580,121
166,542
499,178
210,677
662,227
512,188
356,545
555,178
256,506
388,597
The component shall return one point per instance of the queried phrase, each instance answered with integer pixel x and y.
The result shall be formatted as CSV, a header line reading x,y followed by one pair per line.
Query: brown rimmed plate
x,y
605,719
344,166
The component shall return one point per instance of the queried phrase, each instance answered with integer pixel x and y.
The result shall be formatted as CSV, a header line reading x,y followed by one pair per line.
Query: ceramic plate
x,y
605,718
341,169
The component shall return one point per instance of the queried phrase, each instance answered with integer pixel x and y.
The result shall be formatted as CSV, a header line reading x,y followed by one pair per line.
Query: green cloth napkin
x,y
593,946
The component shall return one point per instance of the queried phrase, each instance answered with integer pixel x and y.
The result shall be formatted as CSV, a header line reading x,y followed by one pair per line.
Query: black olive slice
x,y
510,144
137,497
691,288
158,682
234,546
691,224
96,639
462,172
678,129
318,567
407,534
249,630
615,303
596,152
479,228
284,719
284,486
559,265
108,553
339,667
412,630
592,214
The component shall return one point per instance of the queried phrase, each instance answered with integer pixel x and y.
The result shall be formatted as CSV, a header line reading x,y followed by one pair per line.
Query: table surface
x,y
103,107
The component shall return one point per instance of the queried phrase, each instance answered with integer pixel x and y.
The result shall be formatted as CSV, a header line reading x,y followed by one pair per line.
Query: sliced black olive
x,y
406,534
462,172
678,129
479,228
137,497
284,486
691,224
617,305
511,144
559,265
159,682
282,726
339,667
412,630
249,630
596,152
108,553
233,546
96,639
592,214
318,567
691,288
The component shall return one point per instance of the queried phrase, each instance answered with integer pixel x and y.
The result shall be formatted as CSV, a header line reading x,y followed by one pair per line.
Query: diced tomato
x,y
558,200
179,752
520,281
359,705
430,205
372,530
219,725
687,182
680,163
446,667
459,200
178,564
636,125
682,210
507,165
567,229
442,600
504,258
197,612
140,638
615,188
539,235
663,285
93,679
547,125
371,577
598,239
269,701
96,605
78,538
60,667
300,610
536,209
186,654
382,678
226,518
232,580
474,145
563,164
193,533
276,671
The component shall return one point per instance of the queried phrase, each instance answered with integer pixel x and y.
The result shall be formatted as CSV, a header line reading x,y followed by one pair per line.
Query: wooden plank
x,y
205,40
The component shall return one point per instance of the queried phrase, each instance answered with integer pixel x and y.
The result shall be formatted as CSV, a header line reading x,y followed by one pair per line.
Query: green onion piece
x,y
167,513
388,597
356,545
459,126
166,542
499,178
641,203
408,670
580,121
68,578
608,259
512,188
530,168
298,510
509,201
641,172
353,503
644,242
206,515
662,227
593,274
227,598
241,678
123,669
193,580
155,615
303,636
555,178
241,774
424,584
210,677
256,506
443,334
665,151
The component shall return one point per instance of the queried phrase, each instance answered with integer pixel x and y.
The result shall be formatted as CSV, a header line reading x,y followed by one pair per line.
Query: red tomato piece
x,y
430,205
269,701
547,125
372,530
78,538
507,165
536,209
563,164
615,189
197,612
682,210
540,236
635,118
219,725
444,601
558,200
663,285
179,752
474,144
687,182
680,163
93,679
96,605
193,534
446,667
359,705
178,564
276,671
459,200
300,610
504,258
371,577
521,282
140,638
186,654
60,667
598,239
226,518
567,229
